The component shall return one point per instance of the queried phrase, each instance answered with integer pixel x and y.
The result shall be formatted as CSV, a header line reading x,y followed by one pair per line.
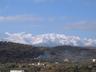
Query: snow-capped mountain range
x,y
50,39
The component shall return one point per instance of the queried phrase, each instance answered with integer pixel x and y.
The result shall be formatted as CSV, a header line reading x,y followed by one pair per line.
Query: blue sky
x,y
71,17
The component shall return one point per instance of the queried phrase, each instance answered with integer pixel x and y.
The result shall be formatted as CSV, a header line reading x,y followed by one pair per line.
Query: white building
x,y
38,63
56,62
16,70
93,60
66,60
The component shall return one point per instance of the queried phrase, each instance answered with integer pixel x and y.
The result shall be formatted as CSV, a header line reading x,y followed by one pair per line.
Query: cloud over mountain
x,y
48,39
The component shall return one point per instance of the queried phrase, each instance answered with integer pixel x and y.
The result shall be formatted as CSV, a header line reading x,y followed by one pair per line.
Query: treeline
x,y
65,67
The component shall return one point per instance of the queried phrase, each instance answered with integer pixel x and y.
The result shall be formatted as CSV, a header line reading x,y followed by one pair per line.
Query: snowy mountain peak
x,y
51,39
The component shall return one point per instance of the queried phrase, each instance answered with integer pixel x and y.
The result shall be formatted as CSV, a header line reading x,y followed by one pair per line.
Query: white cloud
x,y
48,39
90,42
18,37
30,18
21,18
83,26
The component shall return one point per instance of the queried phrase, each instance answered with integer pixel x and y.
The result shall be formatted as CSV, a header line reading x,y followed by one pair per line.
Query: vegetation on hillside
x,y
14,52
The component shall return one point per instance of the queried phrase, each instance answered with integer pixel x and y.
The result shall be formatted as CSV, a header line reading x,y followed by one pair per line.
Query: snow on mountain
x,y
48,39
